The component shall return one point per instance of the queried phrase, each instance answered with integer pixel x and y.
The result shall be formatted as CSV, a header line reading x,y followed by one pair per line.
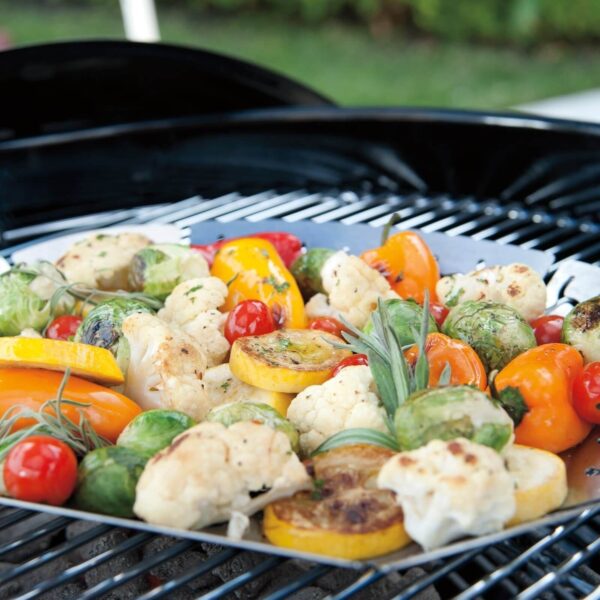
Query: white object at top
x,y
140,21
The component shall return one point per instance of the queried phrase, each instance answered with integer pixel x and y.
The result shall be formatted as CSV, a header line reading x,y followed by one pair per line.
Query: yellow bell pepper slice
x,y
89,362
253,270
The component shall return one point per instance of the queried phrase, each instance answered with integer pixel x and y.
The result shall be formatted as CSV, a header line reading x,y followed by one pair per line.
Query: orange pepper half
x,y
407,263
544,376
108,412
466,367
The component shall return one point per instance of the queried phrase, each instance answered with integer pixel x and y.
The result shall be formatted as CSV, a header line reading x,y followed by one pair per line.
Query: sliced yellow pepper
x,y
253,270
89,362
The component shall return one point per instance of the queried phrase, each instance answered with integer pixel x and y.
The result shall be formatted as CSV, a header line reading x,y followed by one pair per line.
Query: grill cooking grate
x,y
55,557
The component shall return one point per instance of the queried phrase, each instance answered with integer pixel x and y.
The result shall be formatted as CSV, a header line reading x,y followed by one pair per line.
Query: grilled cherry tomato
x,y
40,468
63,328
328,324
249,317
351,361
547,329
586,393
439,312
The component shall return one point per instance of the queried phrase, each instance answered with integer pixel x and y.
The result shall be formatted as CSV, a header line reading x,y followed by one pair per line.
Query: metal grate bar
x,y
291,199
366,579
35,534
78,570
243,579
14,517
118,580
166,589
298,583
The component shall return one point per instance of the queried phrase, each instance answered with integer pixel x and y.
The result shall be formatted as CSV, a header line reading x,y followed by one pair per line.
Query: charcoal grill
x,y
279,152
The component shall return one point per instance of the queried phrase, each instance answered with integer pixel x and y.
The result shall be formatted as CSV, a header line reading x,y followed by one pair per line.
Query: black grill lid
x,y
77,85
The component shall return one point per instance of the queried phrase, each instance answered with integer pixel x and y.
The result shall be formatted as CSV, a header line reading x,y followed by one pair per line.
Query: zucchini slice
x,y
287,360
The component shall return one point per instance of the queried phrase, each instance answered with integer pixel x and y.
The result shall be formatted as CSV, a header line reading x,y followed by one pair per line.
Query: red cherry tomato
x,y
439,312
63,328
547,329
351,361
328,324
586,393
40,468
249,317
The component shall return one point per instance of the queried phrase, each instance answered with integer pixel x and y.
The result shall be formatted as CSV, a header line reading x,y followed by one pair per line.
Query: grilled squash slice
x,y
540,479
287,360
345,516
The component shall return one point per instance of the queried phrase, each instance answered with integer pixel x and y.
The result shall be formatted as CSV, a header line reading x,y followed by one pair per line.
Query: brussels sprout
x,y
153,430
30,296
156,270
306,269
405,317
497,332
446,413
228,414
106,481
581,329
102,326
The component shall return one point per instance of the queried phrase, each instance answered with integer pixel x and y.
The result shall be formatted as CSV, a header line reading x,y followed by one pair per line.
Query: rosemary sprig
x,y
50,420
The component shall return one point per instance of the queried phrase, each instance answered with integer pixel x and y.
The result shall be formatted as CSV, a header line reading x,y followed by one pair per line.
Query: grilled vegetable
x,y
345,515
408,264
543,379
452,412
405,318
153,430
495,331
102,326
253,270
63,328
107,411
540,482
307,268
31,296
581,329
287,360
229,414
548,329
106,481
85,361
586,393
156,270
249,317
443,352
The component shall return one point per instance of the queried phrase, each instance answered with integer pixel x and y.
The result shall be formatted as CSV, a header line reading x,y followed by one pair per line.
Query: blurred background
x,y
486,54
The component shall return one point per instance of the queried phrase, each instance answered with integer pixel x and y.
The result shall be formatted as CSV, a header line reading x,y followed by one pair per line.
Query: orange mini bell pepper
x,y
465,365
253,270
544,377
408,264
108,412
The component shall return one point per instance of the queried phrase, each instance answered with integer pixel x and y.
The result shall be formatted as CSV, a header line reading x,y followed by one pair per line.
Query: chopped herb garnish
x,y
102,254
225,385
279,287
194,289
317,493
232,279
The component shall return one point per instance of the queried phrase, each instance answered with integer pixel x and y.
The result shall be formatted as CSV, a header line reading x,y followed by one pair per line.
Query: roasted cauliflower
x,y
516,285
165,367
448,490
352,289
346,401
102,261
193,306
212,472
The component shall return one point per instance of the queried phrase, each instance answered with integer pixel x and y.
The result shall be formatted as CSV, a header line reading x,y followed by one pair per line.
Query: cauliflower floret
x,y
347,400
211,472
102,261
352,288
516,285
166,367
192,306
449,490
28,332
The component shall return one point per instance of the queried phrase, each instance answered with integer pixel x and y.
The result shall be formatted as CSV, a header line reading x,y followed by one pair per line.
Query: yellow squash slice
x,y
540,479
84,360
287,360
346,516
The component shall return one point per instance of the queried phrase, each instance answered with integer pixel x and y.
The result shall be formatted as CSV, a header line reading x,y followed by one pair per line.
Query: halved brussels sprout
x,y
405,317
30,296
581,329
497,332
451,412
228,414
156,270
